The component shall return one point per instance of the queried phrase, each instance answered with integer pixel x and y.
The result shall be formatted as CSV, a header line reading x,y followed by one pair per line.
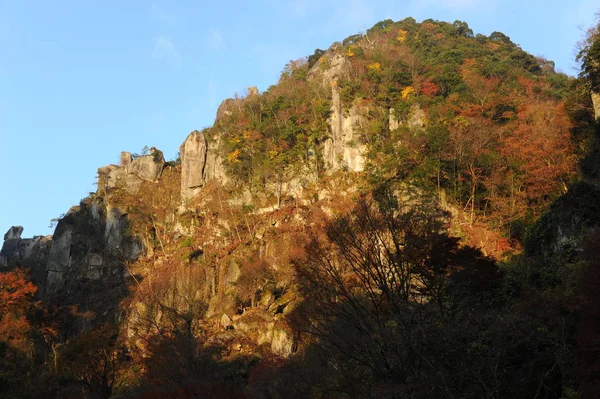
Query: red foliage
x,y
539,147
429,88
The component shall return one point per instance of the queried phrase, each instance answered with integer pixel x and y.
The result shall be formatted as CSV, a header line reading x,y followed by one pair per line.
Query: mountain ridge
x,y
417,130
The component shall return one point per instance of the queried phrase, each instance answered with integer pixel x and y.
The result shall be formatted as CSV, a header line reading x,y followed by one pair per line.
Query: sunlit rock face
x,y
342,149
193,160
130,173
148,167
200,163
596,104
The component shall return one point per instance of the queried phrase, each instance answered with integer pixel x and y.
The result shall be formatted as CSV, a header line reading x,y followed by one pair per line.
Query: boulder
x,y
282,343
226,321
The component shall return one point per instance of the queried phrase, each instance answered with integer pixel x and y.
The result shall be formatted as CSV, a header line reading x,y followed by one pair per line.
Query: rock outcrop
x,y
147,167
342,149
225,109
214,168
28,252
14,233
596,104
131,172
193,160
90,243
200,163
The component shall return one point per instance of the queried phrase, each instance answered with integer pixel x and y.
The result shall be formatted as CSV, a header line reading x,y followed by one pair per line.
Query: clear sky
x,y
81,81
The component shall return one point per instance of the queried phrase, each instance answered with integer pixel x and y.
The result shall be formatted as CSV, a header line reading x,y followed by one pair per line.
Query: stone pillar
x,y
193,160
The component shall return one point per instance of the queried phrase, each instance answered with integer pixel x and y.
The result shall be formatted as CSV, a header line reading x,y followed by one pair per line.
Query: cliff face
x,y
131,172
30,252
200,162
237,209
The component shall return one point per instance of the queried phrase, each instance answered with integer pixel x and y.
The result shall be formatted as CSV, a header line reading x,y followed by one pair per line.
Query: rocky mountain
x,y
371,207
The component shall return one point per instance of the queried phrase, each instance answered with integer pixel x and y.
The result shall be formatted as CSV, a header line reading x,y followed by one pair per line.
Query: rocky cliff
x,y
238,206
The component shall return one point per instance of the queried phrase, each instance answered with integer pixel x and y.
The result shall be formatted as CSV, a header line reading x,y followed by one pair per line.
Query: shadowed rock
x,y
13,233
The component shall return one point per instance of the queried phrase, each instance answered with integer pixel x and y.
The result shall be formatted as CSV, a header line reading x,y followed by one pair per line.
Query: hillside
x,y
401,215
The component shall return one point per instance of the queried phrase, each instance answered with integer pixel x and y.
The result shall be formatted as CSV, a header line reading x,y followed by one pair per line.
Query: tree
x,y
589,56
541,151
16,345
91,361
380,279
16,292
16,297
256,276
172,301
472,139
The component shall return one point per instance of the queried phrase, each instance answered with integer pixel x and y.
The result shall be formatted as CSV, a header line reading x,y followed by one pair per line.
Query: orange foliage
x,y
15,292
481,88
541,149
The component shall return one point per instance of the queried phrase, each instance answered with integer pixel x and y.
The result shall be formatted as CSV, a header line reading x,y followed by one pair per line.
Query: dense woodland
x,y
461,263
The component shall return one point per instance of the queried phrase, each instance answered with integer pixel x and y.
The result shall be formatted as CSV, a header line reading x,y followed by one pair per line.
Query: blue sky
x,y
81,81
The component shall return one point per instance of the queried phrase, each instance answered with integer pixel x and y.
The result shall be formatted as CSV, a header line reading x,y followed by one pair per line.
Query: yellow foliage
x,y
402,35
234,156
408,90
350,52
273,154
461,121
376,66
246,134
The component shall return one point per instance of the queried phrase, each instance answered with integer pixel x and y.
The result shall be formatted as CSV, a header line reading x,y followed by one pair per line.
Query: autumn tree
x,y
379,275
90,362
16,345
256,277
473,140
481,88
589,56
540,150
